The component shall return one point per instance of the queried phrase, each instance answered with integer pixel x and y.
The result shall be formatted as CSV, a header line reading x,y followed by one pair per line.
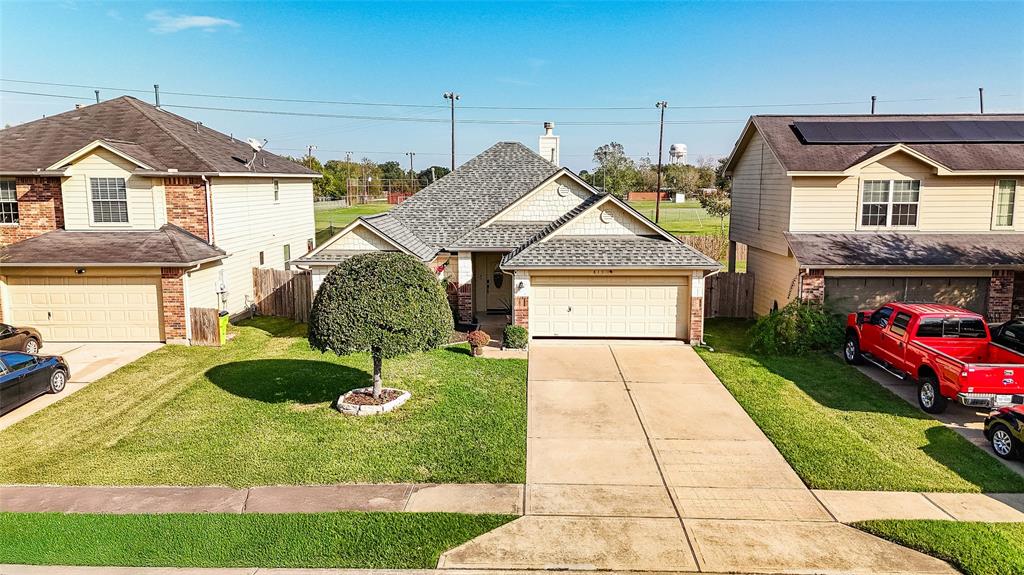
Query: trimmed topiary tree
x,y
384,303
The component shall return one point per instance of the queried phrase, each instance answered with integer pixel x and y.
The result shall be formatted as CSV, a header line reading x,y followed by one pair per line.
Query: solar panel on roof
x,y
910,131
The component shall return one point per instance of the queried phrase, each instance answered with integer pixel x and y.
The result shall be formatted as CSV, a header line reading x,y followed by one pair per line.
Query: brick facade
x,y
696,320
812,286
1018,294
172,290
186,205
521,311
40,210
465,302
1000,295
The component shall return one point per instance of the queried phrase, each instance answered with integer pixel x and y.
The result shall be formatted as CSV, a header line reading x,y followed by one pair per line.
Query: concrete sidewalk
x,y
639,459
452,498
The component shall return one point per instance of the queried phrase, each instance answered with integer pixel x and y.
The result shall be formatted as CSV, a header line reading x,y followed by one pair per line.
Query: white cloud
x,y
166,23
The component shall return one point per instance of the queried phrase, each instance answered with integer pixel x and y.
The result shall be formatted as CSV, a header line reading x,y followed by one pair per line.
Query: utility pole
x,y
661,139
309,155
412,173
156,92
981,99
873,100
453,97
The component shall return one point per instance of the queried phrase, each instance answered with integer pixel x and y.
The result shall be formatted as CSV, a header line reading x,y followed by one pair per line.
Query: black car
x,y
1004,428
1010,334
24,377
23,339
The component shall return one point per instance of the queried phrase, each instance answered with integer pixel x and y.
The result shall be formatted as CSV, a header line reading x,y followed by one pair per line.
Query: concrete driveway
x,y
638,458
88,362
967,421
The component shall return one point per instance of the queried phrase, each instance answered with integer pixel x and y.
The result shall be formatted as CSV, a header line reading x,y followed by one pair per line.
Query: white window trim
x,y
276,189
92,217
995,204
888,214
16,203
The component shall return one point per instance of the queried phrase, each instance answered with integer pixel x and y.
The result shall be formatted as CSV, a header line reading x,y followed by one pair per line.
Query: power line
x,y
484,107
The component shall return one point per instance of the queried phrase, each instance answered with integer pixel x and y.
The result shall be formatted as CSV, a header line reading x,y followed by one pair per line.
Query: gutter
x,y
116,264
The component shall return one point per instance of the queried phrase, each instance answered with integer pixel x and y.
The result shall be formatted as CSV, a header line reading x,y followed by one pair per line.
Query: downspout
x,y
209,210
185,288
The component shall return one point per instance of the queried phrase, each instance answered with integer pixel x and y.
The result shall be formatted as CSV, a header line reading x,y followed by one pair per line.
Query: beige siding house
x,y
117,219
521,240
857,210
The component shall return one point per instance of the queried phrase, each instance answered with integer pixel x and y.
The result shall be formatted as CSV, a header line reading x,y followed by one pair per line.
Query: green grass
x,y
973,548
258,412
840,430
365,540
683,219
341,217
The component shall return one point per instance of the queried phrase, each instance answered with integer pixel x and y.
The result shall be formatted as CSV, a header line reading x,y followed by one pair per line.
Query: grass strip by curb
x,y
974,548
841,430
347,539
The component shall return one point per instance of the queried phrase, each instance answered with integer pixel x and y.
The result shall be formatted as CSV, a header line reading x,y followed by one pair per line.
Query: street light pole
x,y
661,139
453,97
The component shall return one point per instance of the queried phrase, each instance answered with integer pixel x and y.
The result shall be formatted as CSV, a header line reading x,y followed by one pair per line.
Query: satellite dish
x,y
255,144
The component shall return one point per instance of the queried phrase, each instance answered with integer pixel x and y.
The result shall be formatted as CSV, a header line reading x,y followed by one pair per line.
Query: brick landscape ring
x,y
349,408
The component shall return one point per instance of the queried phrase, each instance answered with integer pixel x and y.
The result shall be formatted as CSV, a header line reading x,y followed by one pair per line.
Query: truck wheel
x,y
1003,442
929,396
851,351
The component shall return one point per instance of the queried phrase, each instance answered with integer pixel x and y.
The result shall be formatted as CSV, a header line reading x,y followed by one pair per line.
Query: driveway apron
x,y
638,458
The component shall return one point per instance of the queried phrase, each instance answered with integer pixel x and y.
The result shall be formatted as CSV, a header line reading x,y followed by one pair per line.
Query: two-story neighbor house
x,y
117,218
517,235
857,210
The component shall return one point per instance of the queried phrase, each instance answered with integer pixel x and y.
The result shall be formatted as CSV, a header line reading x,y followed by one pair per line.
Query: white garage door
x,y
610,306
83,308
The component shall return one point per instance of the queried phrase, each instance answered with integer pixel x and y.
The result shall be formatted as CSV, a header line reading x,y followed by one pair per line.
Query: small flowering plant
x,y
477,339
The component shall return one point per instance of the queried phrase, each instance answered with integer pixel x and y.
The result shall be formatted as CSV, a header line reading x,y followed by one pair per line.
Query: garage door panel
x,y
847,294
602,306
96,308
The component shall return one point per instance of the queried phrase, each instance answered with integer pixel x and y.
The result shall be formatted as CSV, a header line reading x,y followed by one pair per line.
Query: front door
x,y
494,287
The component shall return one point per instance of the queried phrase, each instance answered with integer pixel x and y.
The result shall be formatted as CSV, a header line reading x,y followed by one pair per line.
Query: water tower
x,y
677,153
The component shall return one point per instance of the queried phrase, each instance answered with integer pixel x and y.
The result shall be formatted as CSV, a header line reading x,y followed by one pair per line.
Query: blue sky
x,y
915,56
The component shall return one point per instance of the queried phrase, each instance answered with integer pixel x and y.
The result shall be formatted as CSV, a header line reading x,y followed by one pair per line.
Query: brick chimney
x,y
548,148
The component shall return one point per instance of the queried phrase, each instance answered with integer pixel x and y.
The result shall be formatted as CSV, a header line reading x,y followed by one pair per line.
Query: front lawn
x,y
840,430
974,548
683,219
364,540
258,412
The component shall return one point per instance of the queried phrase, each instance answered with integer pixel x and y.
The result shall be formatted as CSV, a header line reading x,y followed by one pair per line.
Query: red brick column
x,y
1000,295
172,290
1018,294
812,286
465,297
186,205
521,311
40,209
696,320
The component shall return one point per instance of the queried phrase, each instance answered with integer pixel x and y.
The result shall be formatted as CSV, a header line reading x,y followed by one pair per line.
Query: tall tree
x,y
616,173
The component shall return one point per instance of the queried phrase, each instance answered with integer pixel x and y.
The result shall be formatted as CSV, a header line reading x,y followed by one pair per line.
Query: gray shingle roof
x,y
329,257
151,135
170,246
499,235
459,202
795,155
549,228
871,249
392,228
609,252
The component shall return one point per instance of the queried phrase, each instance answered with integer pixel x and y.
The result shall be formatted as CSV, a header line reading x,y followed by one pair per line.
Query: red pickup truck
x,y
948,351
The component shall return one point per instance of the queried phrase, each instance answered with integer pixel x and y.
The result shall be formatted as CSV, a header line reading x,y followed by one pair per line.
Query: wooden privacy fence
x,y
729,295
283,293
205,326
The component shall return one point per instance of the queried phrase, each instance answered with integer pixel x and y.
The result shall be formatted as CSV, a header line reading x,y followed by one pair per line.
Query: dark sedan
x,y
24,339
1010,334
1004,428
24,377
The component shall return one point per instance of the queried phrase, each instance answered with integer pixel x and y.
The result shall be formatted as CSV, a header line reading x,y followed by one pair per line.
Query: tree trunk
x,y
377,363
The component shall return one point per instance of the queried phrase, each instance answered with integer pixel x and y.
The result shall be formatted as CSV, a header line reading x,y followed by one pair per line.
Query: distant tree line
x,y
366,177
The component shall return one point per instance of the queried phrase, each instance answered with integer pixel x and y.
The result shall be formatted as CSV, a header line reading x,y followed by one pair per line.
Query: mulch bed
x,y
356,397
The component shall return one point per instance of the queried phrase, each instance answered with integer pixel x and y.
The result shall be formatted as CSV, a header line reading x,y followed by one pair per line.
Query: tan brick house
x,y
117,218
518,236
857,210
